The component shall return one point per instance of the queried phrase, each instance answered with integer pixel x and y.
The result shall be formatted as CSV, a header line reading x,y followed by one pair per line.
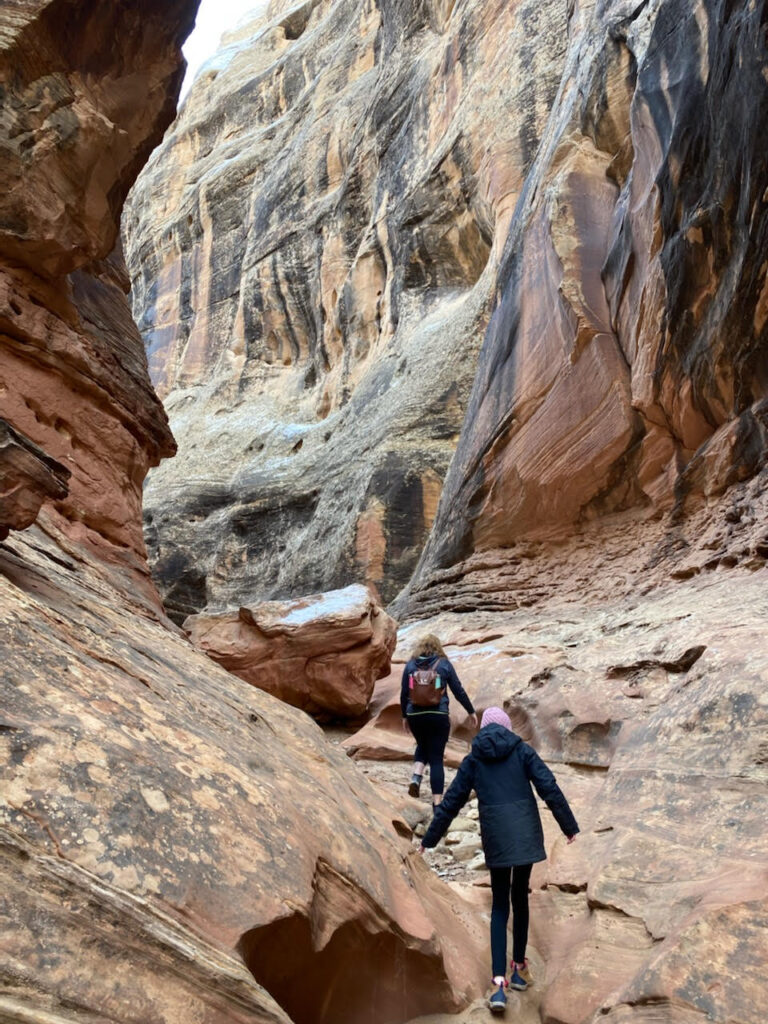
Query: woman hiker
x,y
427,677
500,768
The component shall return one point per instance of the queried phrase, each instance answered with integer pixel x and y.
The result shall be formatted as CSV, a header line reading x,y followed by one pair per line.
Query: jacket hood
x,y
427,660
494,743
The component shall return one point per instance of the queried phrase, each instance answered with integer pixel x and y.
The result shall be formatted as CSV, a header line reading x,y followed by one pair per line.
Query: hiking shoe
x,y
520,978
497,1003
414,787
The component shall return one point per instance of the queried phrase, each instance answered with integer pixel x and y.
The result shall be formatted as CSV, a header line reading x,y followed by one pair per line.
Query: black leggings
x,y
431,731
501,891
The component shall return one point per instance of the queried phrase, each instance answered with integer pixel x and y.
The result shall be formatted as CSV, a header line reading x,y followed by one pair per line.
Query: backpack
x,y
426,687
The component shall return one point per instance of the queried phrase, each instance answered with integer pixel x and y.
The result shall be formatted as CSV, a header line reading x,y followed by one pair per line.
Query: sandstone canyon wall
x,y
598,558
313,252
626,363
156,813
79,120
352,189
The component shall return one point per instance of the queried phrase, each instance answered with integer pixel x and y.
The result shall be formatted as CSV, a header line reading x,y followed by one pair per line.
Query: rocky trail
x,y
617,696
458,861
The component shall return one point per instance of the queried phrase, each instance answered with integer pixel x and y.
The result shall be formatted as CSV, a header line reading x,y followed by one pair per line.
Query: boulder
x,y
321,653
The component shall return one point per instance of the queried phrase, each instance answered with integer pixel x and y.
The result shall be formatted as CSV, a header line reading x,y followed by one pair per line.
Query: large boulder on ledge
x,y
321,653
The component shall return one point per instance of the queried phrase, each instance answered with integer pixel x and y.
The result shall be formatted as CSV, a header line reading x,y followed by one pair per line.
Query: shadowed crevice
x,y
361,971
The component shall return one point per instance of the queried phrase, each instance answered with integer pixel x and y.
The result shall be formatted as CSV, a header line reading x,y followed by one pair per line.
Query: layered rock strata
x,y
313,252
600,191
28,478
80,118
156,813
625,366
322,653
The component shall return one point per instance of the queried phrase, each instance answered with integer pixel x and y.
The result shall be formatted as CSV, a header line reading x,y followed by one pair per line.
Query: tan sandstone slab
x,y
321,653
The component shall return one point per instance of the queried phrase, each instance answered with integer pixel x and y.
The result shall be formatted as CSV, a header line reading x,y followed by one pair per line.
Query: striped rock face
x,y
173,837
80,117
314,252
356,194
623,375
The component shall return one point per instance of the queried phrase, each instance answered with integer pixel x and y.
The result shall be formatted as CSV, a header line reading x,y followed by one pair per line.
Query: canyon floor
x,y
651,709
650,704
470,882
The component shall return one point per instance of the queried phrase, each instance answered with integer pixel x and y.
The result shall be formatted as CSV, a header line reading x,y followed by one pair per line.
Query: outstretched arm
x,y
456,688
457,795
549,791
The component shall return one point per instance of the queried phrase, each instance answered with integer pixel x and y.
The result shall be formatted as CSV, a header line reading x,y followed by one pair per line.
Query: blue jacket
x,y
447,673
501,768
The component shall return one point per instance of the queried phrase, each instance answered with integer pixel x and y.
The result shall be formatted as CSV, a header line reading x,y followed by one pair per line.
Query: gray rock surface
x,y
313,252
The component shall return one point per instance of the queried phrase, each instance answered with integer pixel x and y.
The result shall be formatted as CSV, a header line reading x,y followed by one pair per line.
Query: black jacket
x,y
447,672
501,768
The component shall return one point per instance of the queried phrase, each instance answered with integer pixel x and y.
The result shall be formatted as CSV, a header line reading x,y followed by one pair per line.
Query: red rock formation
x,y
624,366
322,653
650,708
155,812
28,477
82,117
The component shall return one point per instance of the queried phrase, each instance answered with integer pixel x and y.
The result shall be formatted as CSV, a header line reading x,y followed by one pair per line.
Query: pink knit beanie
x,y
496,716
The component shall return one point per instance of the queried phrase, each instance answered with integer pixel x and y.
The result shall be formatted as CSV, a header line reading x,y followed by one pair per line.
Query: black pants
x,y
501,890
431,732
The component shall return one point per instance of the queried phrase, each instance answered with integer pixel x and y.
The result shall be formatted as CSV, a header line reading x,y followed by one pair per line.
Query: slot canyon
x,y
413,316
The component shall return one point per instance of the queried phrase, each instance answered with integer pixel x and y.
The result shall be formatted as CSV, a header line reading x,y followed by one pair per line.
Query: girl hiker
x,y
500,768
427,677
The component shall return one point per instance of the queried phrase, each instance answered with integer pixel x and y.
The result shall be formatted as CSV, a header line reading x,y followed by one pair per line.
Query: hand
x,y
405,725
420,850
571,839
473,720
